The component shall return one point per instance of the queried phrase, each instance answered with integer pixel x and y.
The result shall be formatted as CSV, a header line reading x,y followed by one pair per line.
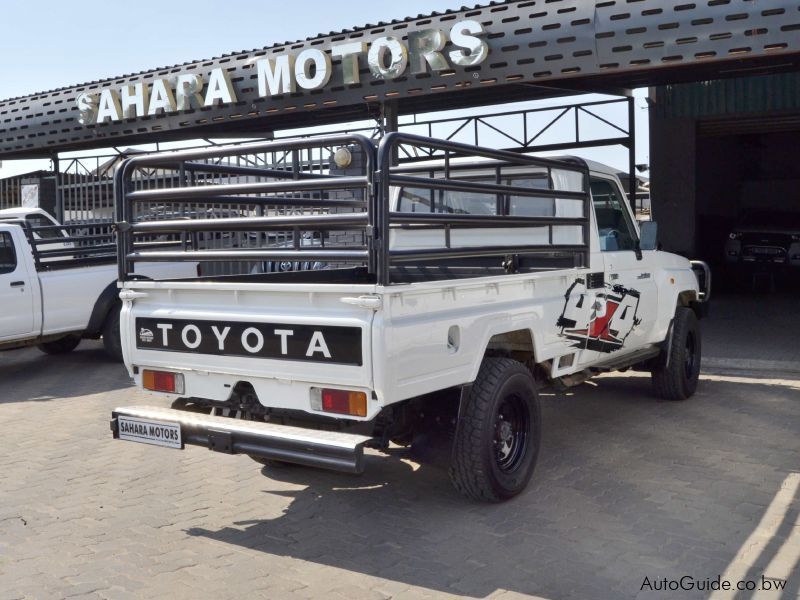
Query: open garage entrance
x,y
726,154
748,188
748,182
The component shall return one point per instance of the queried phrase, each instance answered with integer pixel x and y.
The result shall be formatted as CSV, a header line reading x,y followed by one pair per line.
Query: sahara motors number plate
x,y
146,431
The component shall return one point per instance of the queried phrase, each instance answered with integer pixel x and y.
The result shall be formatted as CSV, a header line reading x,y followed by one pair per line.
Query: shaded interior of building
x,y
724,153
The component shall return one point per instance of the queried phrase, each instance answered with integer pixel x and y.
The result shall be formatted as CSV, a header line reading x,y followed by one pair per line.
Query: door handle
x,y
17,283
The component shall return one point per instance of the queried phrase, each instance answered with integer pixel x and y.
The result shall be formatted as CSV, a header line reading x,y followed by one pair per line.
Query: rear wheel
x,y
61,345
676,377
498,434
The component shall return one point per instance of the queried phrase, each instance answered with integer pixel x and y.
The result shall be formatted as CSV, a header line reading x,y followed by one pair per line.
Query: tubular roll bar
x,y
303,222
208,193
359,253
222,169
377,221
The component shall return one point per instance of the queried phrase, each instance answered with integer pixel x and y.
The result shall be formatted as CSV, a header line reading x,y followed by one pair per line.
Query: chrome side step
x,y
323,449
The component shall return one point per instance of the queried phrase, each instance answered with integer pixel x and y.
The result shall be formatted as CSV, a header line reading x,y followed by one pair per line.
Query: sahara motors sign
x,y
388,58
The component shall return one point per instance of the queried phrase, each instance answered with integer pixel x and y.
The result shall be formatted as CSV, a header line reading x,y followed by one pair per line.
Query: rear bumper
x,y
323,449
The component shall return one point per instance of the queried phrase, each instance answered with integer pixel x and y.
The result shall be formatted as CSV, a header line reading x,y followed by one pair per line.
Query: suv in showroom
x,y
765,240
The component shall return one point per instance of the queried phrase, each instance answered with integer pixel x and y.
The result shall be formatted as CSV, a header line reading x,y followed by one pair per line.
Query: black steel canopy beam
x,y
536,49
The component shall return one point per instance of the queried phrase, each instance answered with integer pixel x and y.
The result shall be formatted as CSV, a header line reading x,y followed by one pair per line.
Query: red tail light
x,y
162,381
343,402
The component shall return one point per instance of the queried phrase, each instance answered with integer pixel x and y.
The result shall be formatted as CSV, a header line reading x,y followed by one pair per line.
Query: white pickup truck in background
x,y
57,287
43,226
450,294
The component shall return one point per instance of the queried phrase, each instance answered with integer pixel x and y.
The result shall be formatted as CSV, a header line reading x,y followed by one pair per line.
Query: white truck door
x,y
16,288
629,305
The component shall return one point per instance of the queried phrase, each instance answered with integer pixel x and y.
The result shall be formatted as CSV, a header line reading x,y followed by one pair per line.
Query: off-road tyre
x,y
675,376
60,346
494,454
112,341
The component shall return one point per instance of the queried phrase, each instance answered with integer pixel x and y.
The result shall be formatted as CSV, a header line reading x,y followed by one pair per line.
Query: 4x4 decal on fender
x,y
605,332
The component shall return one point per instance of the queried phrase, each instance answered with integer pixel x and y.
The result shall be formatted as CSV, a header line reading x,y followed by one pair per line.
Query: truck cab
x,y
19,291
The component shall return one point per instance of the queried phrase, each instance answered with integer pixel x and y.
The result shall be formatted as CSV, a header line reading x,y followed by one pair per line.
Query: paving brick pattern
x,y
626,487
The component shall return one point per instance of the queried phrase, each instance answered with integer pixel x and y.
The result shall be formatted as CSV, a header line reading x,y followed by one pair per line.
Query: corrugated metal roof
x,y
729,97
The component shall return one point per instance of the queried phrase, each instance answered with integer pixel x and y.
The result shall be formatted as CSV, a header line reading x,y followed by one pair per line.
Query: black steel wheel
x,y
511,438
677,373
498,433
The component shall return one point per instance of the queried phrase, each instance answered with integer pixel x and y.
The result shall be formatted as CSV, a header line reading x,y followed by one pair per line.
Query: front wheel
x,y
676,377
61,345
498,434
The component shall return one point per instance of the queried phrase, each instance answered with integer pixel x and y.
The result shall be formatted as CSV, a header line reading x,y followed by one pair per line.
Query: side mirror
x,y
649,235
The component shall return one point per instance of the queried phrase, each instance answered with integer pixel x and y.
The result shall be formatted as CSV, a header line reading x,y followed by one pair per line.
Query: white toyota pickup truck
x,y
58,286
444,296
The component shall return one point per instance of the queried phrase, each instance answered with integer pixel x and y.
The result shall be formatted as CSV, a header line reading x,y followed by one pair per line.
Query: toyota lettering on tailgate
x,y
328,344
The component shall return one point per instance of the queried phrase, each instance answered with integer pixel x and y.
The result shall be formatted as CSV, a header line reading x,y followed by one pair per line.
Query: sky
x,y
50,44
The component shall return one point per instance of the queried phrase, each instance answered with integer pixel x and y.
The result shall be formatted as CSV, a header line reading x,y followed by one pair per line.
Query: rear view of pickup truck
x,y
443,296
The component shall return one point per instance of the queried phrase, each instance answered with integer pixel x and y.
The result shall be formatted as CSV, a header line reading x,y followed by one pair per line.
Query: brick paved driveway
x,y
626,488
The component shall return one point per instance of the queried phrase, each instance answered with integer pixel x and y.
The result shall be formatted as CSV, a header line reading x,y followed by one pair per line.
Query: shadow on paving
x,y
626,488
28,375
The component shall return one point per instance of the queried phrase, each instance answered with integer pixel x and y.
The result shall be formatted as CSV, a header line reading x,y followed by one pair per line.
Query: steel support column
x,y
390,122
632,181
59,195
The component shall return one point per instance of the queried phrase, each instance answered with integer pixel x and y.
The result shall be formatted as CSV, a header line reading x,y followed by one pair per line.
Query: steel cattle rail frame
x,y
292,180
376,221
391,175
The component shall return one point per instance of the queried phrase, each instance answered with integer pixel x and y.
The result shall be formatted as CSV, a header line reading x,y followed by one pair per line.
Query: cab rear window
x,y
40,221
415,200
8,258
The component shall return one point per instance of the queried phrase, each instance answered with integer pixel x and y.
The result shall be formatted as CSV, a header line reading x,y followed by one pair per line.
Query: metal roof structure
x,y
536,49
